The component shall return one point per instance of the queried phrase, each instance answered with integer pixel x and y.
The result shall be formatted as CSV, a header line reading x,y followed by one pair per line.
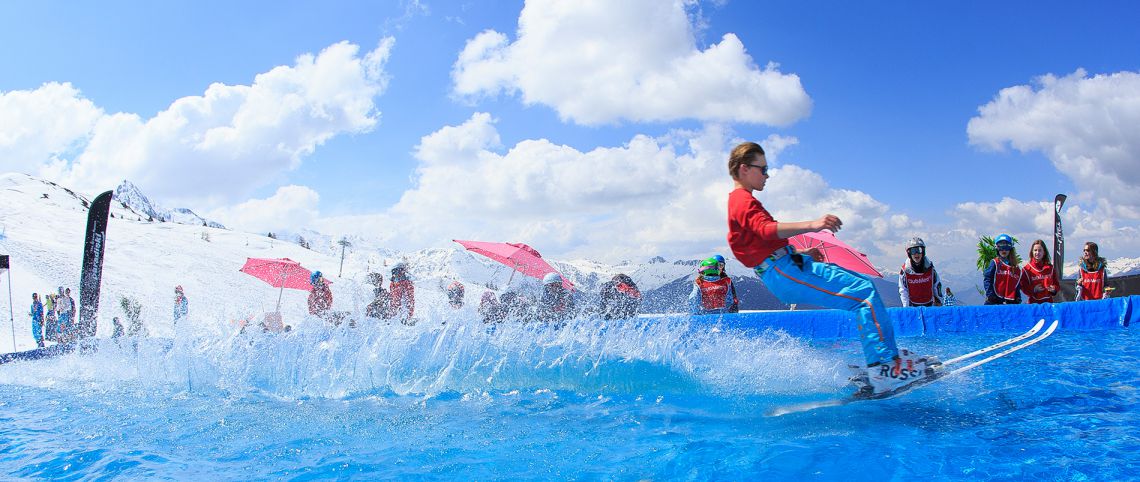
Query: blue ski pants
x,y
829,286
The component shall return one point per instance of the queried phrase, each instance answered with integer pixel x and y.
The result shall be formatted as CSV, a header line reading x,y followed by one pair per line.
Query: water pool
x,y
593,400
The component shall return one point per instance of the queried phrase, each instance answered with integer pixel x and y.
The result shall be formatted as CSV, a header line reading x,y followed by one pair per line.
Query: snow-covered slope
x,y
42,229
43,226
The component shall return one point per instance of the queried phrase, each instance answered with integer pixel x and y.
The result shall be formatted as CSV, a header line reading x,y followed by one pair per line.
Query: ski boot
x,y
906,369
861,382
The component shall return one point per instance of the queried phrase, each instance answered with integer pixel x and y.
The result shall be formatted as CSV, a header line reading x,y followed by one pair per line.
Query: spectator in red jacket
x,y
1092,274
320,296
1037,279
403,294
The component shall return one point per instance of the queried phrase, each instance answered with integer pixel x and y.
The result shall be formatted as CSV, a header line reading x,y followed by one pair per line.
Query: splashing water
x,y
654,398
664,355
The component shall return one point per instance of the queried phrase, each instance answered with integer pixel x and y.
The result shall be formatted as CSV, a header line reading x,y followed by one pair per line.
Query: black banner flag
x,y
91,278
1058,244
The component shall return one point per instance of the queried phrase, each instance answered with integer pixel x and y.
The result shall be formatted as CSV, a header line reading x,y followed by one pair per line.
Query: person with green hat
x,y
720,263
711,291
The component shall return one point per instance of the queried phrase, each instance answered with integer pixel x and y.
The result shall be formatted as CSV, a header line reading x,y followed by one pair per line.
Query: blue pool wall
x,y
1112,313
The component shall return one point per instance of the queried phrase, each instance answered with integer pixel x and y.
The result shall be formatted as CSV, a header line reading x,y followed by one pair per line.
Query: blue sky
x,y
596,131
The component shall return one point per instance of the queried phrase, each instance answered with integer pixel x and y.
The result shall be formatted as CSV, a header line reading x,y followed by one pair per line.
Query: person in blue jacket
x,y
1002,277
712,293
37,320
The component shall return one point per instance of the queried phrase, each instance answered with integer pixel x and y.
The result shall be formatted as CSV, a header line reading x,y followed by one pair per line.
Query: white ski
x,y
943,373
1032,331
1005,352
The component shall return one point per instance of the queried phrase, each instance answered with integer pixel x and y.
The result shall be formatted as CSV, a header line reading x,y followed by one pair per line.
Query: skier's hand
x,y
829,222
815,254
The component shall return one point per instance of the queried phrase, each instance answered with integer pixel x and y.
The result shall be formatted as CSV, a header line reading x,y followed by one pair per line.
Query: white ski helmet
x,y
916,243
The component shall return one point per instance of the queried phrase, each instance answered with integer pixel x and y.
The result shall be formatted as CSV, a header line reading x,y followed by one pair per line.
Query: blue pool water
x,y
650,399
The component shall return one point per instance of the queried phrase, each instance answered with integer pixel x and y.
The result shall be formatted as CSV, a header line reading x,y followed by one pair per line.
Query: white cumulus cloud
x,y
1089,127
204,150
290,208
596,62
794,193
1007,215
38,126
647,196
1030,220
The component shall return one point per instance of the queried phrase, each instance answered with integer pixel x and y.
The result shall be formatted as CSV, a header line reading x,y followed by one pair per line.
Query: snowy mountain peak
x,y
132,197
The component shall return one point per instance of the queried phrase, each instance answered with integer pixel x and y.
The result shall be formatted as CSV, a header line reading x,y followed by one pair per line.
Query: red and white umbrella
x,y
279,273
518,256
835,251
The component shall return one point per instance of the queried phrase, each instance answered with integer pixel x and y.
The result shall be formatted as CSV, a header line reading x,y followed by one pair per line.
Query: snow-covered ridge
x,y
1116,267
132,197
1124,266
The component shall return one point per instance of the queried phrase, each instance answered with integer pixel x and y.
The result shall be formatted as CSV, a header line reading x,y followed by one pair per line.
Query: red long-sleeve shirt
x,y
751,229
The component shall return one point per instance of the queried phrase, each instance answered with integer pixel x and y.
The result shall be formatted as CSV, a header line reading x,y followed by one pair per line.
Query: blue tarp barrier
x,y
1106,314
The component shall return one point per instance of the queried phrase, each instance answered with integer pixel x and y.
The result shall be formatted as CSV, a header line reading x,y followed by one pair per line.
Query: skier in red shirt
x,y
759,241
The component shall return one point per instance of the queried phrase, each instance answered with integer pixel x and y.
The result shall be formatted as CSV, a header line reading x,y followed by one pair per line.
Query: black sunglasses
x,y
763,169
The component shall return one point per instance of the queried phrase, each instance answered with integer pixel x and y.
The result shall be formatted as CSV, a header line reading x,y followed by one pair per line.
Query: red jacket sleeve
x,y
757,220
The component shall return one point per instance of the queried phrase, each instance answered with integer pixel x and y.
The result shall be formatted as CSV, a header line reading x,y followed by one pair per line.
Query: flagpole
x,y
11,313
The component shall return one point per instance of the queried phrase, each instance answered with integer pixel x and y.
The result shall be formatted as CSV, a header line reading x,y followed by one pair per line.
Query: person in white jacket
x,y
919,284
65,305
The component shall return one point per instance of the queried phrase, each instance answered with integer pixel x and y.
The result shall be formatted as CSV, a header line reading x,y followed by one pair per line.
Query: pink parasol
x,y
279,273
835,251
518,256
